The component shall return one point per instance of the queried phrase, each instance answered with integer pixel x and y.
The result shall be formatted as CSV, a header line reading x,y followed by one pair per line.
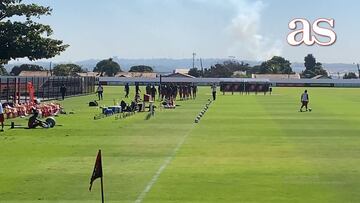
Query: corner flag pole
x,y
102,190
98,173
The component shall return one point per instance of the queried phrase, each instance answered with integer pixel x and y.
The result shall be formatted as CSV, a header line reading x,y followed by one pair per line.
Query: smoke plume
x,y
246,39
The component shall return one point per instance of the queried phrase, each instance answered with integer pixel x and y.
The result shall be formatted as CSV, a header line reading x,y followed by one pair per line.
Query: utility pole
x,y
50,68
194,54
202,68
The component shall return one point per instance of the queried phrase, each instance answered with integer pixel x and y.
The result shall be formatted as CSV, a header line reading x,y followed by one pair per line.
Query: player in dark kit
x,y
194,89
137,89
35,122
127,90
63,91
213,89
148,89
153,92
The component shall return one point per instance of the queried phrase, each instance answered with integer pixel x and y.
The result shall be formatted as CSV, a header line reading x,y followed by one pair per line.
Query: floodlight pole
x,y
160,89
358,67
202,68
50,67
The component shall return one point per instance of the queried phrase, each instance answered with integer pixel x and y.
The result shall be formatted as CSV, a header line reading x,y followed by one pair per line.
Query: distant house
x,y
182,71
276,76
136,75
88,74
321,77
239,73
179,75
44,73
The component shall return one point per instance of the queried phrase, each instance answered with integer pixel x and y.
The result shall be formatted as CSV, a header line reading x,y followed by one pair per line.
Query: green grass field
x,y
245,149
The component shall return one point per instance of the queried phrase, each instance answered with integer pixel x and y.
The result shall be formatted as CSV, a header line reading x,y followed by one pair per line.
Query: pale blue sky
x,y
249,30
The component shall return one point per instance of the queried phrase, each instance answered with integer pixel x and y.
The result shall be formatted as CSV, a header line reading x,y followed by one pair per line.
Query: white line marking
x,y
162,168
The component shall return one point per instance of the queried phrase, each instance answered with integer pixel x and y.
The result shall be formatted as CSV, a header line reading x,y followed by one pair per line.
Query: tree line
x,y
106,67
226,69
276,65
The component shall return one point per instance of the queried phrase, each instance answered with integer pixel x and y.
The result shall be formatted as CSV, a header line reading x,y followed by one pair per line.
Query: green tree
x,y
142,69
218,71
195,72
224,70
108,66
67,69
312,68
254,70
236,66
20,38
276,65
16,70
3,71
350,75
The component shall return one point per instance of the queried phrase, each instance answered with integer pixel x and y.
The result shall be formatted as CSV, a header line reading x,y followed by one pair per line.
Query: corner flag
x,y
97,173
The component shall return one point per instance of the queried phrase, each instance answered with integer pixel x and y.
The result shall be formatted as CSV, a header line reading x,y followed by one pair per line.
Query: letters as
x,y
305,34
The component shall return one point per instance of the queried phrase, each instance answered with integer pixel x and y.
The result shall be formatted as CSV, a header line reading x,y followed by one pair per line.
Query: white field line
x,y
162,168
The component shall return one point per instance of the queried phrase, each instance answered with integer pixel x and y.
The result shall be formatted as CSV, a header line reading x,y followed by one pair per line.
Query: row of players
x,y
167,91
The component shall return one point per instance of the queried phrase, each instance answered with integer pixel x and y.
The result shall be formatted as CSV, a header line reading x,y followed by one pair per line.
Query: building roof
x,y
321,77
182,70
120,74
179,75
136,75
89,74
44,73
276,76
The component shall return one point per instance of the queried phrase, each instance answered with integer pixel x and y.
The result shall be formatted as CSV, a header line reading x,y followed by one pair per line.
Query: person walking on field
x,y
159,91
194,89
148,89
213,88
127,90
63,91
137,89
100,91
2,117
304,101
153,92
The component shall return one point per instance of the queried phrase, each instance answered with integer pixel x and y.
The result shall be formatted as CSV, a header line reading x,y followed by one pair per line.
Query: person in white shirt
x,y
2,117
304,101
100,91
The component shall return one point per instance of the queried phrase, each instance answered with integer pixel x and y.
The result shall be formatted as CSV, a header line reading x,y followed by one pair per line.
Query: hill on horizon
x,y
167,65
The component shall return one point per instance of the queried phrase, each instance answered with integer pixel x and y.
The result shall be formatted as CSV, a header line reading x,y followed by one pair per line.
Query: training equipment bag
x,y
93,103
